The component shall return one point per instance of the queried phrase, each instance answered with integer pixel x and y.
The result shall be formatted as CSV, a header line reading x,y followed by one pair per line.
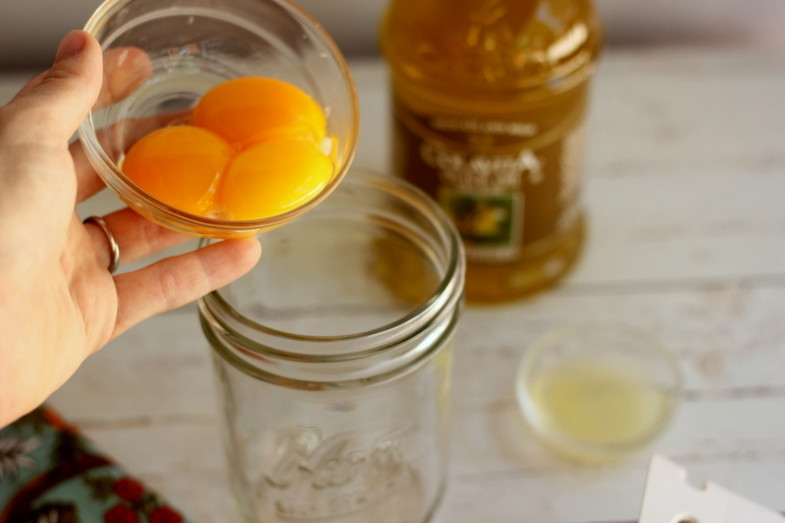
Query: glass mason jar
x,y
333,360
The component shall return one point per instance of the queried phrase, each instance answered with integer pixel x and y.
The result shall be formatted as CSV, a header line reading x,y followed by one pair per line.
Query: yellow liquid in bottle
x,y
585,402
488,102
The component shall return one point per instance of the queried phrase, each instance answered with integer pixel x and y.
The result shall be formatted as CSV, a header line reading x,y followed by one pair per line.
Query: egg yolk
x,y
249,110
273,178
254,149
179,166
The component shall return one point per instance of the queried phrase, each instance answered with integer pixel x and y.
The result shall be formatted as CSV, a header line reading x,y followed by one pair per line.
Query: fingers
x,y
125,70
57,102
136,237
173,282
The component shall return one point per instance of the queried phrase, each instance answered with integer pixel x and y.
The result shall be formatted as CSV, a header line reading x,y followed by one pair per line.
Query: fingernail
x,y
72,45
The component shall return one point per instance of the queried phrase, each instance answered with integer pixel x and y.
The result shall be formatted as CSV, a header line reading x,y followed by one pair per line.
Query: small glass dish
x,y
194,45
597,392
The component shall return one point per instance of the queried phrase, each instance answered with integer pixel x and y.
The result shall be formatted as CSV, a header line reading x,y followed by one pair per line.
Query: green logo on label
x,y
483,219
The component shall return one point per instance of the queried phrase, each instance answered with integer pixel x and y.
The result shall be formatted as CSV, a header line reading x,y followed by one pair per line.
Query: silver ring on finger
x,y
114,247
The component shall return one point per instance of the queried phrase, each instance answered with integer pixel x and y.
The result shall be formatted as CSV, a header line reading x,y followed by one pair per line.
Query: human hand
x,y
58,301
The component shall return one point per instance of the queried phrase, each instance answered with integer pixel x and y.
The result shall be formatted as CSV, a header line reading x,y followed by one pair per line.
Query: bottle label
x,y
511,185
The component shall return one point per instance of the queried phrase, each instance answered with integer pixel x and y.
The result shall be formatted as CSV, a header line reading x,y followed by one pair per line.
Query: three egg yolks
x,y
253,149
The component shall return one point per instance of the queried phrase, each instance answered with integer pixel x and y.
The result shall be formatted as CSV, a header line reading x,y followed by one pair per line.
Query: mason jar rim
x,y
445,296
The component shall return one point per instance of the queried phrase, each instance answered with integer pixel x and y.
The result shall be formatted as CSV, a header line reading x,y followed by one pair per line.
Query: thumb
x,y
53,105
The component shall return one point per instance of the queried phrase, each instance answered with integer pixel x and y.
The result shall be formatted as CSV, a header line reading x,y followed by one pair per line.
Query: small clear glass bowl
x,y
195,45
597,392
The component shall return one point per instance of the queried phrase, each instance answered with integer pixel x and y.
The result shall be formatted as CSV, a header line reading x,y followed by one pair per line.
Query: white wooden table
x,y
686,191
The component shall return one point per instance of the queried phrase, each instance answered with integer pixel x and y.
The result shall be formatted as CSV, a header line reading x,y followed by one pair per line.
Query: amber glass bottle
x,y
489,102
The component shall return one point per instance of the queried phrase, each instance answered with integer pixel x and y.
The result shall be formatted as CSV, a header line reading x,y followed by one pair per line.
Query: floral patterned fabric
x,y
50,473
